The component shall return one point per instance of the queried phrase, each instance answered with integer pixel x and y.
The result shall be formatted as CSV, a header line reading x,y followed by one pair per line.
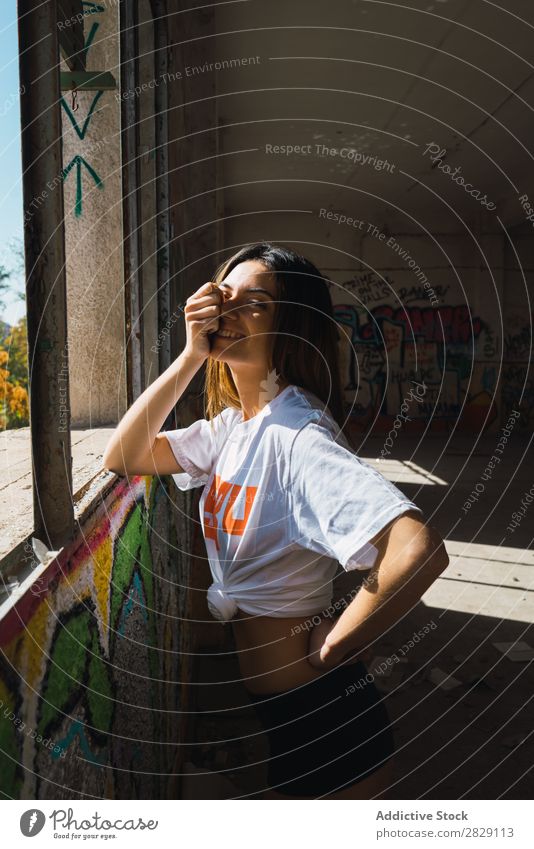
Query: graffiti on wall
x,y
518,338
78,163
91,661
518,377
518,393
387,347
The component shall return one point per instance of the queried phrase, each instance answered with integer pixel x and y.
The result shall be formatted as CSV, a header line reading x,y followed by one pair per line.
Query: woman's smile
x,y
248,295
229,334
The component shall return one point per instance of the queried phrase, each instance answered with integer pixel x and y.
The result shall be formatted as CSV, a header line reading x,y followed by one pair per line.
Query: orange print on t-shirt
x,y
221,498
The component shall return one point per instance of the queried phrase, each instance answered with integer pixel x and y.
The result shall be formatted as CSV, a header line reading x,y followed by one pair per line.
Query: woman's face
x,y
248,295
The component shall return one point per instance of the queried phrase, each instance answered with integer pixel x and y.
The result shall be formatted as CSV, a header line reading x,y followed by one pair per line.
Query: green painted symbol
x,y
81,133
90,36
92,8
79,161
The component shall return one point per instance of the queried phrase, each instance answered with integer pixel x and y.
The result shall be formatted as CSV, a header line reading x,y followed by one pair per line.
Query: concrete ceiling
x,y
385,80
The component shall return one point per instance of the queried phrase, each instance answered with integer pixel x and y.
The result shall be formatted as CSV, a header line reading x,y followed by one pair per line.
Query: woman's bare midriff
x,y
272,652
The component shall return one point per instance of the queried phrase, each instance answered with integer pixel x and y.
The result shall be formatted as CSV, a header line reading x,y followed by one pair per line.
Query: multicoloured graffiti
x,y
385,348
91,660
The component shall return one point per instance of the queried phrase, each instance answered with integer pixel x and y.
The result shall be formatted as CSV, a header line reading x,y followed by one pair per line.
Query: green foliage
x,y
14,401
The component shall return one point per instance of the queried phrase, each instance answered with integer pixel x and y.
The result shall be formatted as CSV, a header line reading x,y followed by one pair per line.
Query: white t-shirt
x,y
285,499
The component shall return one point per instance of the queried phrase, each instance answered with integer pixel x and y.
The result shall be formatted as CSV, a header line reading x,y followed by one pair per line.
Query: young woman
x,y
285,500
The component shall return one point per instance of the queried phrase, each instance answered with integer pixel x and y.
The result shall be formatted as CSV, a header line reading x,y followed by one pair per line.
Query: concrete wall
x,y
448,309
93,234
303,135
96,654
517,389
422,310
193,174
92,679
147,174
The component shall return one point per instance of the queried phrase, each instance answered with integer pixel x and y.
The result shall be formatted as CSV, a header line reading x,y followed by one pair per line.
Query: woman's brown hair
x,y
305,345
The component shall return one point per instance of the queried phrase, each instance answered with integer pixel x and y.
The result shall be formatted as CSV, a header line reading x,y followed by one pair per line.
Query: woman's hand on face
x,y
321,657
202,311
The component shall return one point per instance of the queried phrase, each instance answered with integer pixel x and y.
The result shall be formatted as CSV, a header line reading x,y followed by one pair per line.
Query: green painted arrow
x,y
92,8
91,35
81,133
79,161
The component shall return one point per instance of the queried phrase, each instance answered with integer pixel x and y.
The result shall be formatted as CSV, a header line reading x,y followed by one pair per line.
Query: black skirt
x,y
327,734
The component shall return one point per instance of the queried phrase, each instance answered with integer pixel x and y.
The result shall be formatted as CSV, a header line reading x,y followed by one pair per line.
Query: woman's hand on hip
x,y
320,656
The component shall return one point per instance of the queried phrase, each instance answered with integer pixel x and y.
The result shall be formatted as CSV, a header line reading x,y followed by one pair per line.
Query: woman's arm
x,y
134,447
128,450
318,635
411,556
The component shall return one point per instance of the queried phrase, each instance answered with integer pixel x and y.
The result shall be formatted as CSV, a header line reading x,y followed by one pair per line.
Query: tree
x,y
4,287
15,253
14,401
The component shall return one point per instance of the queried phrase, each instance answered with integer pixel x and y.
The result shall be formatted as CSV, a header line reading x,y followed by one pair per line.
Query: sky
x,y
11,214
